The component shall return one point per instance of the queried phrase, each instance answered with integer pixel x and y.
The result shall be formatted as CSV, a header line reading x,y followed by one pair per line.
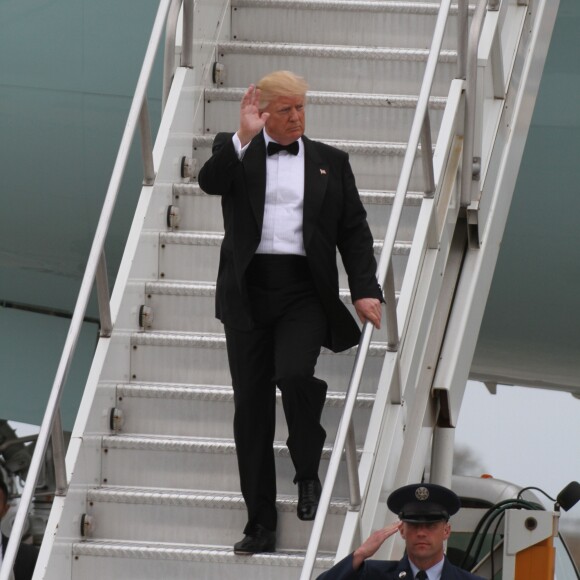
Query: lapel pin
x,y
323,172
402,574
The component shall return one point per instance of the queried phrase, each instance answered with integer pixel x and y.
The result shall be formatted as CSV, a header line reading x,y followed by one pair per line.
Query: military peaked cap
x,y
423,502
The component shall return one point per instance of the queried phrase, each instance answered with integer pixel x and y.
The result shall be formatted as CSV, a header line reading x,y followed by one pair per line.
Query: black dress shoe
x,y
259,540
308,498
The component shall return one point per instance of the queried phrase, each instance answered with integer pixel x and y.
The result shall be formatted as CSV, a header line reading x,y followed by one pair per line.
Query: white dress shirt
x,y
433,573
283,209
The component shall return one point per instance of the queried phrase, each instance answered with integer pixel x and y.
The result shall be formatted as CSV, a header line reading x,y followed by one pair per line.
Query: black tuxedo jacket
x,y
333,217
388,570
25,560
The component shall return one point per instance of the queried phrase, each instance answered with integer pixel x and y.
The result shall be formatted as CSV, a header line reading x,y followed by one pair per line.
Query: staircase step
x,y
190,307
193,463
335,68
207,411
376,165
342,116
201,359
183,306
94,560
194,517
401,24
195,256
200,211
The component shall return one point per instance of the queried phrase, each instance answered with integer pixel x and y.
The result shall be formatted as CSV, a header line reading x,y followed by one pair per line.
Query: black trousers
x,y
281,351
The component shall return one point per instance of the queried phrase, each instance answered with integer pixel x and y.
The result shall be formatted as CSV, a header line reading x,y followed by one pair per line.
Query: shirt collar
x,y
267,138
433,573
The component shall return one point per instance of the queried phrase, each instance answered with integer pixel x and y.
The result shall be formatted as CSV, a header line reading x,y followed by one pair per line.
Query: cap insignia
x,y
422,493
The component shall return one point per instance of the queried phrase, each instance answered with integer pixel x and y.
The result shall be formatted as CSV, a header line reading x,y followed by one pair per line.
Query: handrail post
x,y
58,456
391,300
169,53
146,144
352,468
462,31
427,155
103,297
187,37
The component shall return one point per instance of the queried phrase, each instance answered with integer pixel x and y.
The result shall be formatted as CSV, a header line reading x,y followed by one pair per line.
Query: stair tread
x,y
199,238
216,392
173,288
187,288
378,148
190,444
218,341
368,196
200,289
336,98
392,6
169,551
194,498
336,51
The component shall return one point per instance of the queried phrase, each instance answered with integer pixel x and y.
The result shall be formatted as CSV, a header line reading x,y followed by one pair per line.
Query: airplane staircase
x,y
152,485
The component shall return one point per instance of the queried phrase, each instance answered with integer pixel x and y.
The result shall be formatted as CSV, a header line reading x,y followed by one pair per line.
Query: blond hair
x,y
281,83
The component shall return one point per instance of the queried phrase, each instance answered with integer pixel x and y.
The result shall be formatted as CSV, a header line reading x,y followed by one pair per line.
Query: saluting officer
x,y
424,510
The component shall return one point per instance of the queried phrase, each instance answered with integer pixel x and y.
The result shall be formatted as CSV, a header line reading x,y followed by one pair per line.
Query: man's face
x,y
286,121
425,542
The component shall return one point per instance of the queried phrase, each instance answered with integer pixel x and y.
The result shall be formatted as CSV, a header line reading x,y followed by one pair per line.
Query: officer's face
x,y
425,542
286,122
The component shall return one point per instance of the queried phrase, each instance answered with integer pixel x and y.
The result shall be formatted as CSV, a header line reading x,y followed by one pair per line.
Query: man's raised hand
x,y
251,120
370,546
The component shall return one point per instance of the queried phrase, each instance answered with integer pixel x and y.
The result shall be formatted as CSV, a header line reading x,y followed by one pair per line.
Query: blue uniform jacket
x,y
388,570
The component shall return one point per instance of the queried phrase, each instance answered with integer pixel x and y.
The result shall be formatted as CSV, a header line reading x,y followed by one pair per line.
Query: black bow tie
x,y
274,148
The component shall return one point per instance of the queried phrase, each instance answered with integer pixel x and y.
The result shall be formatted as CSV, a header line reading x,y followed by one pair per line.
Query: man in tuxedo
x,y
288,203
424,510
27,554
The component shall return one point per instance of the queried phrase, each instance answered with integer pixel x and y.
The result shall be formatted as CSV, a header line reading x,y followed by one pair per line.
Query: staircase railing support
x,y
420,130
103,297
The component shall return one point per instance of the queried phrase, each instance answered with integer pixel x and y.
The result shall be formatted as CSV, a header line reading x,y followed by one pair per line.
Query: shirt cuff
x,y
238,146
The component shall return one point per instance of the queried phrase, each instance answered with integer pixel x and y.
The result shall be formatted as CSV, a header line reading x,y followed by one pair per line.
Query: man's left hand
x,y
369,309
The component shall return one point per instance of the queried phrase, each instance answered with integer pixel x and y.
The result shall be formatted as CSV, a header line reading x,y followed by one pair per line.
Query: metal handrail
x,y
420,130
95,271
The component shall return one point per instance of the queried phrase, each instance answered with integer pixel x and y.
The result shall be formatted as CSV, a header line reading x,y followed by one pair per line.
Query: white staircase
x,y
154,490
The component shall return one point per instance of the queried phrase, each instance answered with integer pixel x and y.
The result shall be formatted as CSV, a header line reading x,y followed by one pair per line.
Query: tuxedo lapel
x,y
315,183
254,163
